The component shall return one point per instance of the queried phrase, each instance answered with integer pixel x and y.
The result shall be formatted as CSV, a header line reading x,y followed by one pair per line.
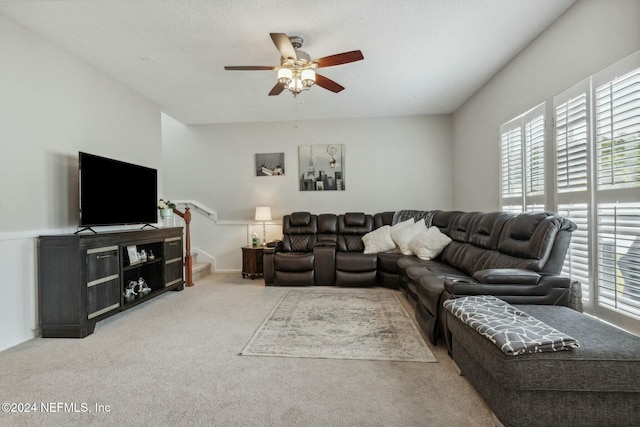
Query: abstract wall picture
x,y
321,167
269,164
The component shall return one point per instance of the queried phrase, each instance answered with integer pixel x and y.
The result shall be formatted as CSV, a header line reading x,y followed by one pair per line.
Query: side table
x,y
252,261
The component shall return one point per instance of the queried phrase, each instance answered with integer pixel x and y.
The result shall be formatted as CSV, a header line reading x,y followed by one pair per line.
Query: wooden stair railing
x,y
188,265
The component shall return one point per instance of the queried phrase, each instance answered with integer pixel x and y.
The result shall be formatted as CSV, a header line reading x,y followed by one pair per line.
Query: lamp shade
x,y
263,213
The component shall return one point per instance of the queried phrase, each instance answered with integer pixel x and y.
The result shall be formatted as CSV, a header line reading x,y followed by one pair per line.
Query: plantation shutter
x,y
511,162
571,132
619,257
522,158
616,99
534,154
573,201
617,132
578,259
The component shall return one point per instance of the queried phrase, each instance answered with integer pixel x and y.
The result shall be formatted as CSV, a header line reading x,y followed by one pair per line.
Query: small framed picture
x,y
269,164
132,251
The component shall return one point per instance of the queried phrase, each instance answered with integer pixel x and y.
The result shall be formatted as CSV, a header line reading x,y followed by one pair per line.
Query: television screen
x,y
113,192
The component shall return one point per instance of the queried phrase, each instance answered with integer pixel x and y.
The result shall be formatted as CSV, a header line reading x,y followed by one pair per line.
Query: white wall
x,y
391,164
590,36
52,106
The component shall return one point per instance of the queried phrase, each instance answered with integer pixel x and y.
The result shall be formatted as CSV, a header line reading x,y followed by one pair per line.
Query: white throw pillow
x,y
399,226
429,243
404,236
378,240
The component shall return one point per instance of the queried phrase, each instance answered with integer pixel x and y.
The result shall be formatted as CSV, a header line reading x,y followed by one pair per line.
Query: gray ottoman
x,y
597,384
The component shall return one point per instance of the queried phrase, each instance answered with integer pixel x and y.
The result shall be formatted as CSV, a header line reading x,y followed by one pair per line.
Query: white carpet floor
x,y
174,361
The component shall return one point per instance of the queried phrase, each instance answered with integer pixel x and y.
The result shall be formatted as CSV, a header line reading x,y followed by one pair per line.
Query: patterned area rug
x,y
340,323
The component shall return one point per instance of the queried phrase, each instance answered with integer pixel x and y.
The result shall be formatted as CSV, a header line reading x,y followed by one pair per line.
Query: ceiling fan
x,y
296,71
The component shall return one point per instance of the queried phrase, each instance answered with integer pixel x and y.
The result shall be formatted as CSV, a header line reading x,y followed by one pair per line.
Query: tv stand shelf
x,y
84,278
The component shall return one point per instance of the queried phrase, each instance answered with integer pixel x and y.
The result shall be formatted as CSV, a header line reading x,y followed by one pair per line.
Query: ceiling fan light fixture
x,y
297,70
285,75
308,77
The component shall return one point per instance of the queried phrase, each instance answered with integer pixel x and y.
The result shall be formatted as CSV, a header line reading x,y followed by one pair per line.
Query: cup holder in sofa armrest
x,y
273,246
506,276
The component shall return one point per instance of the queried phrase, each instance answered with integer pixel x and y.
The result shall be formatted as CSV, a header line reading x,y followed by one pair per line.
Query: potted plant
x,y
166,208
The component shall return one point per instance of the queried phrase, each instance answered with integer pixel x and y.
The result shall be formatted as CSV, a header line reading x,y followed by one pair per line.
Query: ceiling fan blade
x,y
328,84
282,42
340,58
249,67
277,89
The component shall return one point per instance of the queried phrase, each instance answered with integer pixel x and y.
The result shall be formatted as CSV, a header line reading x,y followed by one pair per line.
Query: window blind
x,y
577,260
534,155
571,130
617,132
511,162
618,234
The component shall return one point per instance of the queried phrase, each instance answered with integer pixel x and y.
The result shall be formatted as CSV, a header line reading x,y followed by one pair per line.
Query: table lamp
x,y
263,213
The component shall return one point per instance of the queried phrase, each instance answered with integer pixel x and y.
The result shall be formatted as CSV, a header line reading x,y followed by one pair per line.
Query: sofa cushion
x,y
354,219
293,261
356,262
388,262
378,240
530,236
487,229
404,236
300,219
429,243
349,237
460,228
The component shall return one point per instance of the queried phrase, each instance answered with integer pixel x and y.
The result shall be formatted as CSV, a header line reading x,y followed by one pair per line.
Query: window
x,y
597,146
617,132
571,144
595,163
619,257
522,160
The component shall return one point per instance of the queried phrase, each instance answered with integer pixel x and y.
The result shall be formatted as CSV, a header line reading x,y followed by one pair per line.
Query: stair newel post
x,y
188,264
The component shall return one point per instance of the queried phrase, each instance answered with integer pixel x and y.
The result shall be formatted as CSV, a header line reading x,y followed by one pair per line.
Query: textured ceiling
x,y
421,56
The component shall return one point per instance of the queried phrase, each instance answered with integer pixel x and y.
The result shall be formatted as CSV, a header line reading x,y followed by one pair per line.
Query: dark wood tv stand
x,y
83,278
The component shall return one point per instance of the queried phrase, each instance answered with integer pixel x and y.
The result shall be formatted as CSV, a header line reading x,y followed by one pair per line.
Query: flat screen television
x,y
113,192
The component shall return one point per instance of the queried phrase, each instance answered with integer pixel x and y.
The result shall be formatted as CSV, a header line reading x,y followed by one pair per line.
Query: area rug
x,y
340,323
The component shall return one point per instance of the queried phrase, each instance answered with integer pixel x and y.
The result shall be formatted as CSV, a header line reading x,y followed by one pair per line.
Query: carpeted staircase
x,y
200,269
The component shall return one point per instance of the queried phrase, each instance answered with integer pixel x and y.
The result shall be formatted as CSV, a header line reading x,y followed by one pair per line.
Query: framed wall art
x,y
321,167
269,164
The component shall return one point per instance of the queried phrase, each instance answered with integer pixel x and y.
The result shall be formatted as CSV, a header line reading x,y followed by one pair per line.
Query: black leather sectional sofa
x,y
517,258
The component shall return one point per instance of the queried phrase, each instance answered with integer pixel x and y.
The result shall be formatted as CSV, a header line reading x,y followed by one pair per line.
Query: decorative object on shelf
x,y
132,251
263,213
143,288
143,256
321,167
269,164
151,255
130,292
166,208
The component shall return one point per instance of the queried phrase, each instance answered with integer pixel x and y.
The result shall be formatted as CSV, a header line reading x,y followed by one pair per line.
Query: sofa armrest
x,y
324,263
506,276
273,246
513,291
267,261
325,243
